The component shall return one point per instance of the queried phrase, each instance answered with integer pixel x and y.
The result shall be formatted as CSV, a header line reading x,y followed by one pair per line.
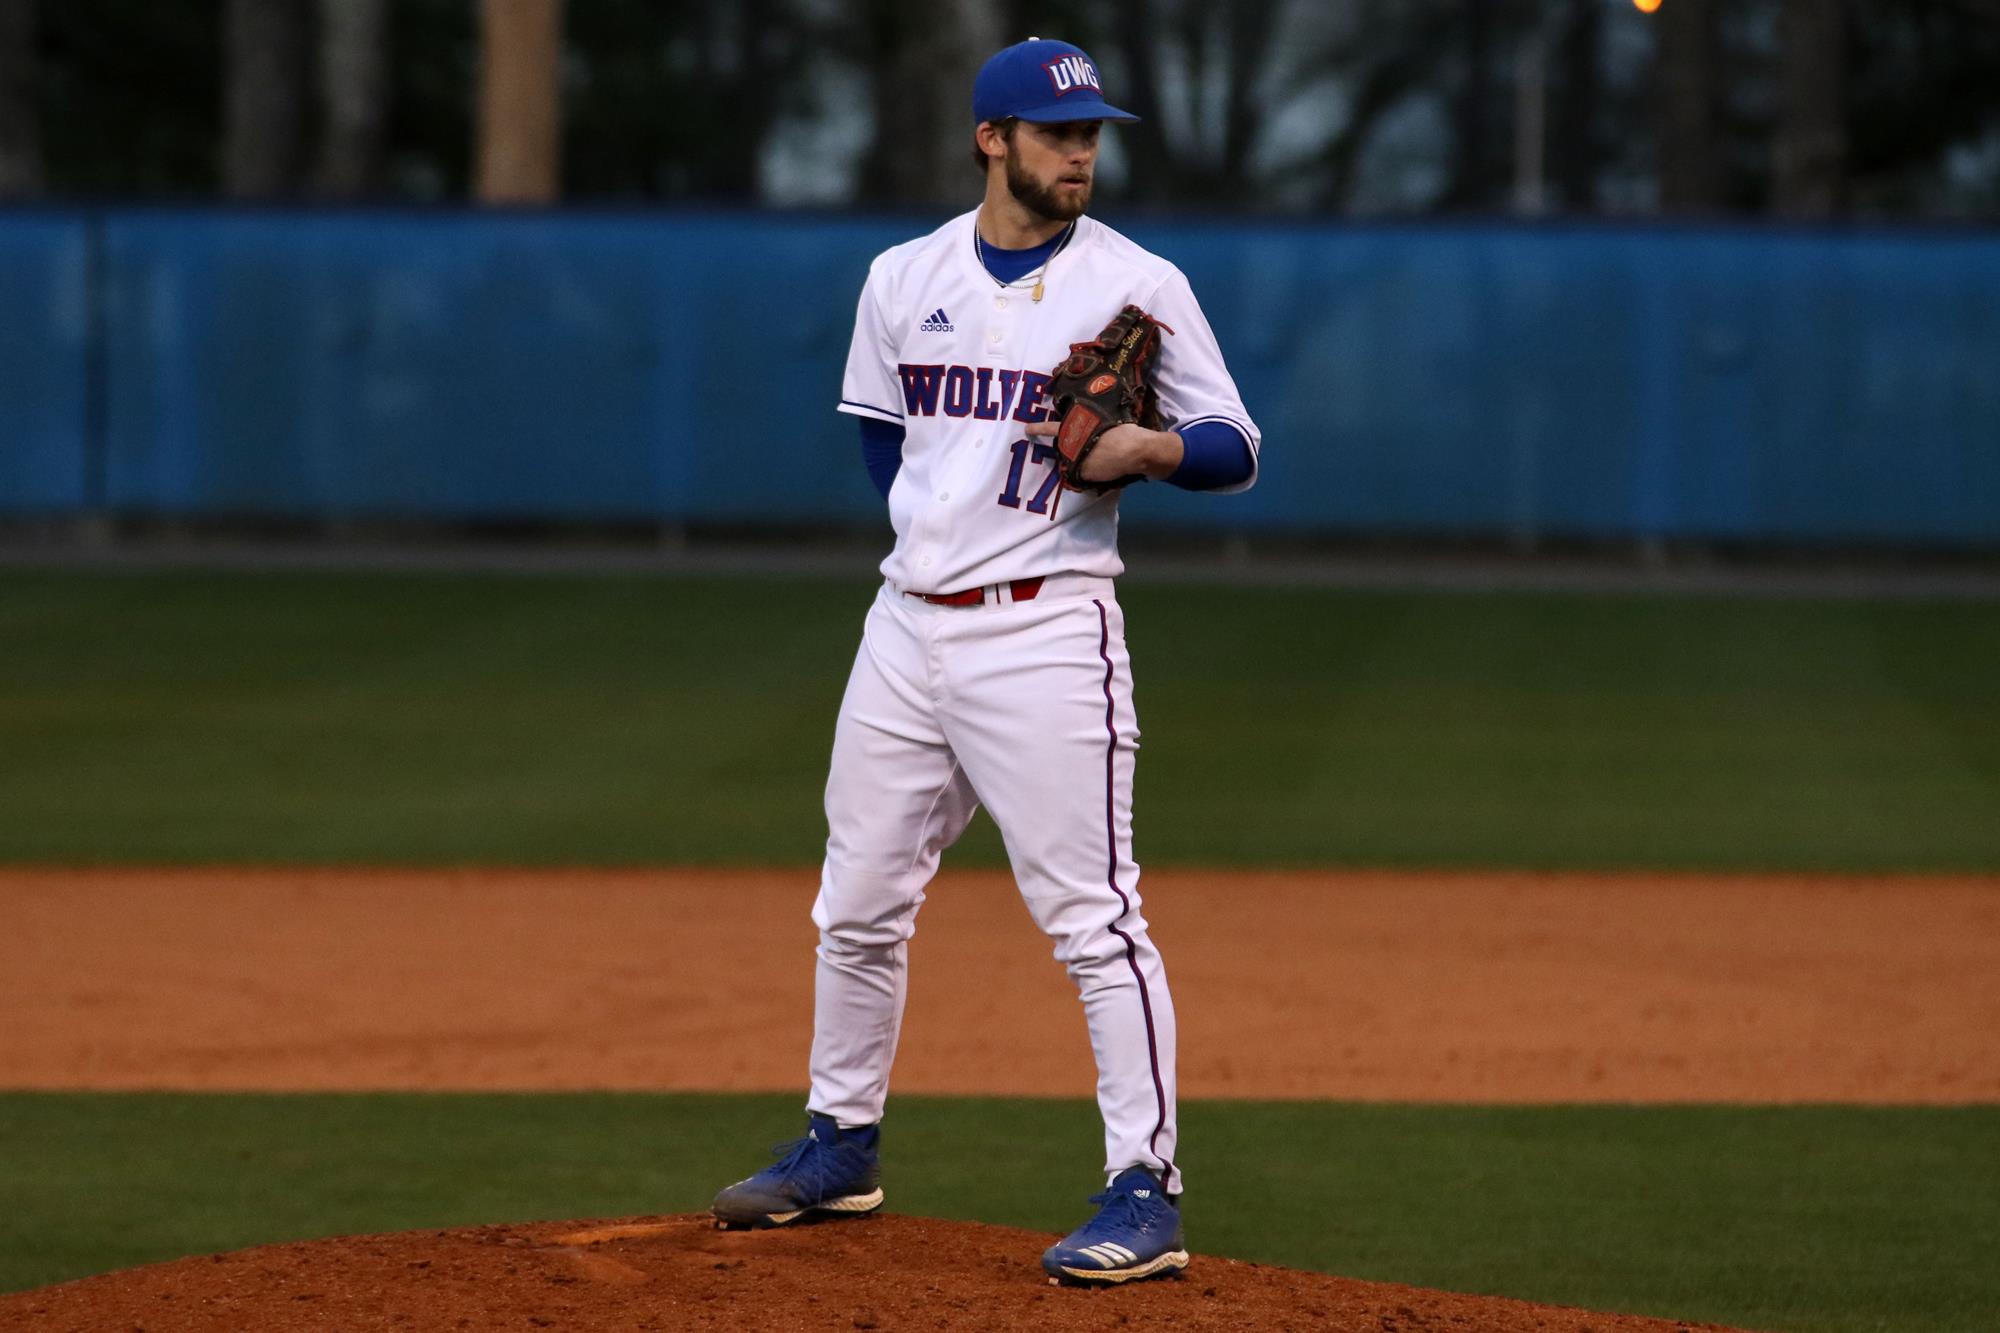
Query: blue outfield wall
x,y
1452,380
465,366
46,329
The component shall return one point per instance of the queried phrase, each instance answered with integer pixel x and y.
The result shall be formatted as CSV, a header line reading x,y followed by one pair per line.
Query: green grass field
x,y
623,719
1847,1220
578,719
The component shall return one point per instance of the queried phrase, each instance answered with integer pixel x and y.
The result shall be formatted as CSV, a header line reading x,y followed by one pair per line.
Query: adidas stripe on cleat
x,y
1135,1235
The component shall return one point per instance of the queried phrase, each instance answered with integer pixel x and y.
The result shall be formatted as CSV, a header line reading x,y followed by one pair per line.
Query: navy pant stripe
x,y
1125,903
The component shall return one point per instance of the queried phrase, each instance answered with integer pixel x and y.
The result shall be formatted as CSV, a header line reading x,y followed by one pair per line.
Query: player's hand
x,y
1124,450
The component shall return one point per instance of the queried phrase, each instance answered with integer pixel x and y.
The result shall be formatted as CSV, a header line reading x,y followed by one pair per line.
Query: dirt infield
x,y
676,1273
1486,988
1465,987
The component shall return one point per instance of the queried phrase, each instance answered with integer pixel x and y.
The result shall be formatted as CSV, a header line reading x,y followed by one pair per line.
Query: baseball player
x,y
992,668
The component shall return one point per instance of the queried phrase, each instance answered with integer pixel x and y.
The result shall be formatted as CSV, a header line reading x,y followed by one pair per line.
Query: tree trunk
x,y
1690,173
20,123
1575,151
354,92
1811,150
520,104
1474,177
265,111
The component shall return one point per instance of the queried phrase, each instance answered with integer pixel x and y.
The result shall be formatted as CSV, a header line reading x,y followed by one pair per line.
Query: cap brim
x,y
1057,113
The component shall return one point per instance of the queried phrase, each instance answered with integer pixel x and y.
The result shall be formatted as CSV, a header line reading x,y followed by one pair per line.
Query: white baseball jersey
x,y
962,363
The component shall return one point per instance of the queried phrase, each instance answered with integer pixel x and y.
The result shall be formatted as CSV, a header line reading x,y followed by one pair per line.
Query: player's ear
x,y
989,140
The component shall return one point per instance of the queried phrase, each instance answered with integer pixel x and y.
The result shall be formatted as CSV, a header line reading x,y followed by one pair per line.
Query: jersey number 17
x,y
1045,499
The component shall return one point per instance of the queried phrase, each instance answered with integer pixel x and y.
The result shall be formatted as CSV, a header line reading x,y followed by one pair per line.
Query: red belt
x,y
1024,590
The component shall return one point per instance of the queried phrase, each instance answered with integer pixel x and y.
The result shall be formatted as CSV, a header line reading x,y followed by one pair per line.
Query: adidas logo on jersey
x,y
936,322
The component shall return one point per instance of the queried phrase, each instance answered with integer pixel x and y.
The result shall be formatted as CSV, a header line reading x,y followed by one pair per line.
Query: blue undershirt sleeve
x,y
1217,455
881,452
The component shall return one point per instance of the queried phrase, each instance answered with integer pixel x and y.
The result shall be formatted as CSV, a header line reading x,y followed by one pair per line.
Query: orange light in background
x,y
1645,6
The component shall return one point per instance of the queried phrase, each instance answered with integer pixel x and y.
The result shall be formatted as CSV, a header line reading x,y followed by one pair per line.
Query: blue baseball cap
x,y
1045,82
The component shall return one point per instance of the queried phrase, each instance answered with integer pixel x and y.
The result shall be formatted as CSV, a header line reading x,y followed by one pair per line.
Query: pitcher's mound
x,y
883,1272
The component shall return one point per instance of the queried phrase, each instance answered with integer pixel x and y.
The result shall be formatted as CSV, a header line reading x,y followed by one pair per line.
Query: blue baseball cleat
x,y
1136,1234
831,1171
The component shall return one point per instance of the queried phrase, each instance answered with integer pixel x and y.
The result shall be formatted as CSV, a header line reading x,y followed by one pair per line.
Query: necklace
x,y
979,252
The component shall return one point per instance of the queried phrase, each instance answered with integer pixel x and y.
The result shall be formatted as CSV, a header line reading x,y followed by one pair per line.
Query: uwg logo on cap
x,y
1070,73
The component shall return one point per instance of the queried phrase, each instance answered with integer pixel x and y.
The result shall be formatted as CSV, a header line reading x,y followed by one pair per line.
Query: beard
x,y
1042,200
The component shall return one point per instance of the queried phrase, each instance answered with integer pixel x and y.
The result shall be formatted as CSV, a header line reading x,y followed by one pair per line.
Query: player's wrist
x,y
1163,457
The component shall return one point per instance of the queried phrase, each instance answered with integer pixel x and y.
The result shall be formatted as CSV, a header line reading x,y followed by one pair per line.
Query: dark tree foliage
x,y
20,118
1480,113
1221,48
681,101
1923,75
1919,77
433,72
1211,80
919,96
1577,148
672,101
131,97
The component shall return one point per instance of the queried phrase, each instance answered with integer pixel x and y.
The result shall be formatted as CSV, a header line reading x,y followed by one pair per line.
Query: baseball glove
x,y
1105,382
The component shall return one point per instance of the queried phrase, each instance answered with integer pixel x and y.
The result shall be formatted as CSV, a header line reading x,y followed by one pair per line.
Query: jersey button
x,y
944,495
994,336
999,303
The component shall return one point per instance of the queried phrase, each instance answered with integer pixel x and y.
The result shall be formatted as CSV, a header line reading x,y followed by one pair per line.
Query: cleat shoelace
x,y
1118,1210
804,1167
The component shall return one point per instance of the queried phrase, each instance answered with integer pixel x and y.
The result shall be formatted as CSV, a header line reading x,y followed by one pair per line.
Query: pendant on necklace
x,y
1037,293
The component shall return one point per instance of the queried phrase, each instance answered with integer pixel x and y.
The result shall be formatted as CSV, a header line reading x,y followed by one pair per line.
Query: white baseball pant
x,y
1025,707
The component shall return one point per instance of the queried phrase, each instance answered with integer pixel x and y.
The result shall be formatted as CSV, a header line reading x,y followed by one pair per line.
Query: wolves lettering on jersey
x,y
962,363
980,392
